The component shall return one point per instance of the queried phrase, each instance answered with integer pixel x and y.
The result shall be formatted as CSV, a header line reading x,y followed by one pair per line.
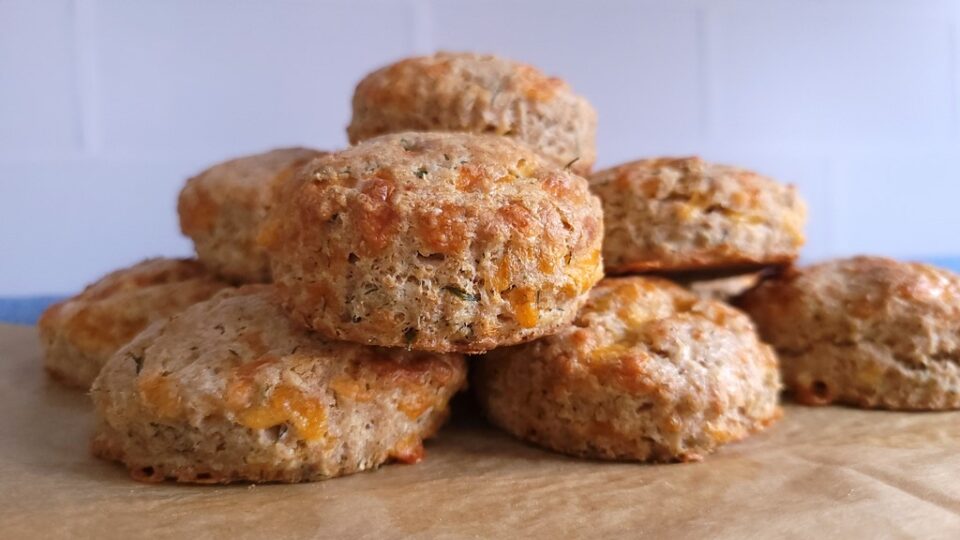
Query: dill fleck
x,y
462,294
410,335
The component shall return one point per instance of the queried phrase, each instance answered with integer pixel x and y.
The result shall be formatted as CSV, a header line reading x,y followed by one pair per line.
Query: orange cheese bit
x,y
408,450
584,273
159,394
443,229
523,300
288,405
504,277
415,404
349,388
377,219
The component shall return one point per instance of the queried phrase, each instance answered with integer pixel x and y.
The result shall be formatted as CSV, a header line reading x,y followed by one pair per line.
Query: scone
x,y
678,215
231,390
435,241
866,331
80,334
222,209
478,94
647,372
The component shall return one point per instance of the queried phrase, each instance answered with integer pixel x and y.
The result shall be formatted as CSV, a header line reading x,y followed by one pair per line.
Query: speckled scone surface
x,y
81,333
865,331
222,209
435,241
677,214
231,390
647,372
479,94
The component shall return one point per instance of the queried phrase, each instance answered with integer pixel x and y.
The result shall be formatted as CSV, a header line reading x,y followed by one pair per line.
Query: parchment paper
x,y
820,473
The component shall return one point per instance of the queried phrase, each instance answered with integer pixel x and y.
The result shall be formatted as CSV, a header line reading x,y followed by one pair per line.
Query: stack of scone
x,y
322,329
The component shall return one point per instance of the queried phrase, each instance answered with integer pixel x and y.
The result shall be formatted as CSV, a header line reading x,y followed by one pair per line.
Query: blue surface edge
x,y
27,309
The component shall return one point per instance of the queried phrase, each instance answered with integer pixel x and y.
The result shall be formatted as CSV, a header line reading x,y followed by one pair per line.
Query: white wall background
x,y
106,106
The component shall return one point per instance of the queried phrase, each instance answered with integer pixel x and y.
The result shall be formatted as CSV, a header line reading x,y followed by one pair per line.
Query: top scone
x,y
435,241
479,94
684,214
222,209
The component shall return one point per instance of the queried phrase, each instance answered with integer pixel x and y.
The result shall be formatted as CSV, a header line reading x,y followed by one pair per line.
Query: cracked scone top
x,y
681,214
222,208
435,241
647,372
80,334
478,94
864,331
232,390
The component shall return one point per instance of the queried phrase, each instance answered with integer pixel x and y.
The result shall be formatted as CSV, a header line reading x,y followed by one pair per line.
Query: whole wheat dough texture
x,y
478,94
81,333
435,241
647,372
684,214
222,209
232,390
865,331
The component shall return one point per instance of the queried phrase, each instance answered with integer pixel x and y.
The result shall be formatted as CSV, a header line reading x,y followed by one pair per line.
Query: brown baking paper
x,y
819,473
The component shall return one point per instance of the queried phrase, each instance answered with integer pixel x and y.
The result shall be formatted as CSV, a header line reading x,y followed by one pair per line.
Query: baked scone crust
x,y
231,390
647,372
80,334
222,208
435,241
478,94
865,331
684,214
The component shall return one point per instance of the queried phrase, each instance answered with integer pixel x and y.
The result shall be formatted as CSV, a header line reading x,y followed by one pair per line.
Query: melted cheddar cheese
x,y
288,405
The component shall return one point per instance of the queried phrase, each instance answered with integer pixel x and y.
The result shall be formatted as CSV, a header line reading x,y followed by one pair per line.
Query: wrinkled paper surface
x,y
819,473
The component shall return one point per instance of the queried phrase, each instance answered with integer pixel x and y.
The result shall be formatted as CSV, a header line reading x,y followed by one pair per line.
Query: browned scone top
x,y
647,372
222,209
865,331
435,241
478,94
232,390
682,214
81,333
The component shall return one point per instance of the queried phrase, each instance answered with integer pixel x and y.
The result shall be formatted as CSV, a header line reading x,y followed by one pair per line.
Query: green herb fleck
x,y
410,335
462,294
572,161
421,172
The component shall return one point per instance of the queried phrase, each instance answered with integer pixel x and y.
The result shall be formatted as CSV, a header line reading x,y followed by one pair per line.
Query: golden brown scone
x,y
681,214
222,209
865,331
232,390
647,372
478,94
435,241
81,333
